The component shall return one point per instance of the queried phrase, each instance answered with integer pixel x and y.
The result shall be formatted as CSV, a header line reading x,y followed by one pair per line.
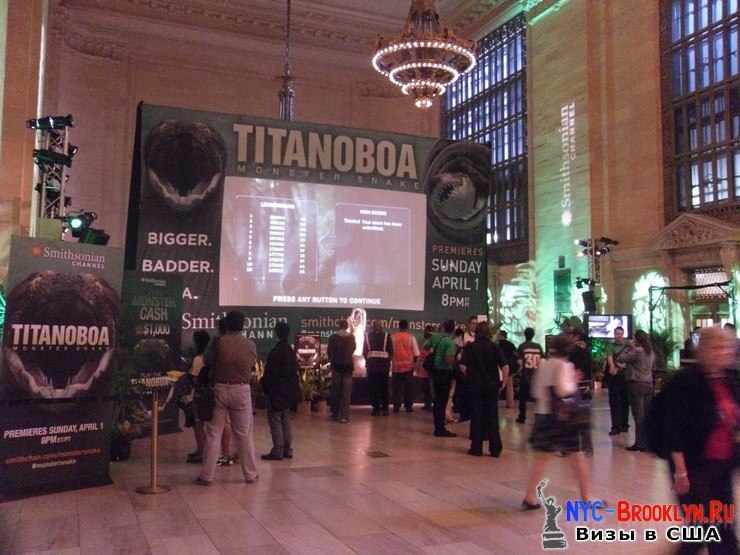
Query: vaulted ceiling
x,y
347,25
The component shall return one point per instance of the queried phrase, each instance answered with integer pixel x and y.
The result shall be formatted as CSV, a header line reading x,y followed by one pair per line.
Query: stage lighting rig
x,y
47,123
595,249
53,155
50,157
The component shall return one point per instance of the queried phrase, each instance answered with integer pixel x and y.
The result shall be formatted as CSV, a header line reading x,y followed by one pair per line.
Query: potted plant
x,y
664,347
308,385
598,359
322,384
127,415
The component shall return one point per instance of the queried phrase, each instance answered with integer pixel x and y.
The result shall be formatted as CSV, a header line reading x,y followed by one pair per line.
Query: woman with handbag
x,y
557,426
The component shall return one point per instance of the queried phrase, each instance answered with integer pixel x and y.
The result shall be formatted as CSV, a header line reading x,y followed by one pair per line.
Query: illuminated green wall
x,y
518,303
667,314
560,157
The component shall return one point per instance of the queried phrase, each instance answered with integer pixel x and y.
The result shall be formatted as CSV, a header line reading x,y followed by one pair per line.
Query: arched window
x,y
489,106
702,103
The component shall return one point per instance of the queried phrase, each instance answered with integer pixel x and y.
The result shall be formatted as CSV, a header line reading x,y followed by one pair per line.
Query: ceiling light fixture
x,y
425,58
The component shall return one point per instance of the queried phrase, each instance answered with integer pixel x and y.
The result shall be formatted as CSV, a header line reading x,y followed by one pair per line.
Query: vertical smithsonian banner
x,y
303,223
61,329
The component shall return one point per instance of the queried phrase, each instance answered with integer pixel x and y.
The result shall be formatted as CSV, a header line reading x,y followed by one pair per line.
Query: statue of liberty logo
x,y
552,536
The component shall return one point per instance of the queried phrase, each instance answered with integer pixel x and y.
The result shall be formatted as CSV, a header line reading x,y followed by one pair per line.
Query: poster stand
x,y
155,384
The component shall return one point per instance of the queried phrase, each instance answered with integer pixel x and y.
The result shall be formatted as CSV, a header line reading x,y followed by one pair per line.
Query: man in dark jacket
x,y
483,360
280,385
340,351
378,352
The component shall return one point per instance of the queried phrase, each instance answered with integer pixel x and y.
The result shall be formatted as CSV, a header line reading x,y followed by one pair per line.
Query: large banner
x,y
304,223
61,329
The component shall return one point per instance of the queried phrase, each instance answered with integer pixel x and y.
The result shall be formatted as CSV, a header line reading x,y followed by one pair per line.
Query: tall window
x,y
704,91
489,106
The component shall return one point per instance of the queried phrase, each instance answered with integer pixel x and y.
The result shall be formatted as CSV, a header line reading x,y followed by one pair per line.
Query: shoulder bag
x,y
204,395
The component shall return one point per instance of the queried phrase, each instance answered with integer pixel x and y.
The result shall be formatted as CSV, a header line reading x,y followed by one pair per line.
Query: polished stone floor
x,y
373,486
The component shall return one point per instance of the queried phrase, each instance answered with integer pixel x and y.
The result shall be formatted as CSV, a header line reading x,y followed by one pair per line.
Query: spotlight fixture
x,y
51,122
79,222
43,156
582,282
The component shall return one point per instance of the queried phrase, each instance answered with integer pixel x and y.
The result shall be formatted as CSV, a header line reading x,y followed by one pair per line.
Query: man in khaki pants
x,y
231,358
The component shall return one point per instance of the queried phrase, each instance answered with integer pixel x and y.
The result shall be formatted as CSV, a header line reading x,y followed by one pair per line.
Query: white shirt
x,y
557,373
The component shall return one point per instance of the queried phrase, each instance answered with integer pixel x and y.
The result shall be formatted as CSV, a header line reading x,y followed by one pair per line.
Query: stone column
x,y
20,97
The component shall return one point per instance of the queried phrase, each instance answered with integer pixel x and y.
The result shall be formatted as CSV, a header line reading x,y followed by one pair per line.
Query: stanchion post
x,y
154,487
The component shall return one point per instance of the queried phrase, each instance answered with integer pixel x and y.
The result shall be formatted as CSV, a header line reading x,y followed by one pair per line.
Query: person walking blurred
x,y
639,362
378,351
405,355
280,386
702,415
231,358
556,431
484,364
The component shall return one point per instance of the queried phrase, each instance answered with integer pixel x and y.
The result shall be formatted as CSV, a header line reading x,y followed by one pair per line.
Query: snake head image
x,y
60,334
185,163
457,181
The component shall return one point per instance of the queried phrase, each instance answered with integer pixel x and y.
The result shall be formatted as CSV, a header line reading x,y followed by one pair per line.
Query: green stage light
x,y
79,223
76,223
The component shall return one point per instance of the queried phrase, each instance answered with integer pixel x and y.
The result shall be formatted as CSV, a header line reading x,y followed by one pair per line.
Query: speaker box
x,y
589,301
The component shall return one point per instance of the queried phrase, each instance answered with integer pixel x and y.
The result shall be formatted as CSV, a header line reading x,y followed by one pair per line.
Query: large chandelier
x,y
426,58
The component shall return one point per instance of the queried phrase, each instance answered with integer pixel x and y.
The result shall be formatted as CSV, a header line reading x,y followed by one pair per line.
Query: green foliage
x,y
664,346
315,383
517,303
598,357
128,415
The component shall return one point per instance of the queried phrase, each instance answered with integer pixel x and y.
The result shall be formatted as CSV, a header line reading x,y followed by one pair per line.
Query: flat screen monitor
x,y
289,243
602,326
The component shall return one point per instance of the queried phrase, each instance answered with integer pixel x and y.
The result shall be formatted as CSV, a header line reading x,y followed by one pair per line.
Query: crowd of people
x,y
465,372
